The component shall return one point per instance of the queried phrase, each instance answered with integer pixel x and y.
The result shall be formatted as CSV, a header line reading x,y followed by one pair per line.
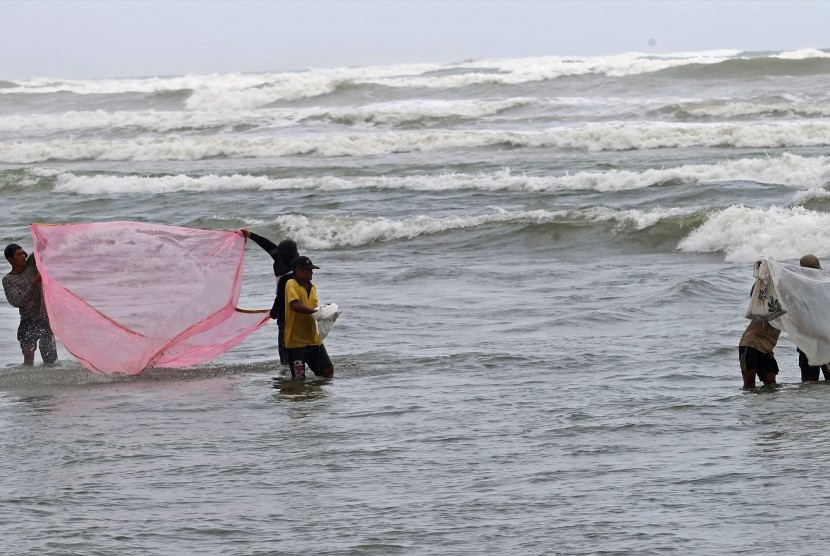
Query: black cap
x,y
303,262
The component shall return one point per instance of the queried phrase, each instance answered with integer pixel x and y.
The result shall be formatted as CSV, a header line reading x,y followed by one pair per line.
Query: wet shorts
x,y
808,372
753,360
316,357
31,330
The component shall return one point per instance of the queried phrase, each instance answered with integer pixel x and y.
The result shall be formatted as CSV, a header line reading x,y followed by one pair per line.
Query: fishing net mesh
x,y
126,296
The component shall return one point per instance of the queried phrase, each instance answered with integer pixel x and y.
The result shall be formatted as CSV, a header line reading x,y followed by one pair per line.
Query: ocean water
x,y
543,266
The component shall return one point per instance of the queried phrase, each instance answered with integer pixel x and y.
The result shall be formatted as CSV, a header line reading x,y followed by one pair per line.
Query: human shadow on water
x,y
766,388
297,390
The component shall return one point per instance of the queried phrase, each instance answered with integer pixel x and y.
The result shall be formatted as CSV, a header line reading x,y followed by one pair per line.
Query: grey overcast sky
x,y
137,38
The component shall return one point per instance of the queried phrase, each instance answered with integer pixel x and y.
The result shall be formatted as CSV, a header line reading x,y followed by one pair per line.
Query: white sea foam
x,y
150,120
258,88
390,113
387,113
523,70
801,173
815,193
332,232
638,136
505,71
403,112
790,170
243,90
802,54
102,184
43,85
743,234
613,136
750,109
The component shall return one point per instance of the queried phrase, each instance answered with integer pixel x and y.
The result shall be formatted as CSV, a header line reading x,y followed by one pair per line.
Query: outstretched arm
x,y
269,246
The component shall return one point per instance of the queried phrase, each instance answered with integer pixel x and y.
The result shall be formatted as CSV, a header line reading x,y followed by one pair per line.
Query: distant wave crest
x,y
612,136
804,174
244,90
333,231
393,113
740,233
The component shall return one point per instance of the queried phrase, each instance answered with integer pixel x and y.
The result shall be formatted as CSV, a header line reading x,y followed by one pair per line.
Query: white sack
x,y
325,317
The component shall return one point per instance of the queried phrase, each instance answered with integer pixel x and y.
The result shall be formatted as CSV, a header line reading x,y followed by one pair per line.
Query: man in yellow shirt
x,y
303,345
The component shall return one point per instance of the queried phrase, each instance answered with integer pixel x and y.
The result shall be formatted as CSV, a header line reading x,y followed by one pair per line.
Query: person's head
x,y
288,249
303,268
810,261
15,255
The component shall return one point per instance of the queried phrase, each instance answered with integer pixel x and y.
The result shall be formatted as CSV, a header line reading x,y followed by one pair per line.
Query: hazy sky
x,y
133,38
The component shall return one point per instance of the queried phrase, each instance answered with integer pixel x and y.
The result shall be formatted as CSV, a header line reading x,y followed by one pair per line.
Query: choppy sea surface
x,y
543,266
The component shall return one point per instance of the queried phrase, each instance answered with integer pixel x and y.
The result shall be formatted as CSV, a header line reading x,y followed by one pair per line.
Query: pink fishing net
x,y
126,296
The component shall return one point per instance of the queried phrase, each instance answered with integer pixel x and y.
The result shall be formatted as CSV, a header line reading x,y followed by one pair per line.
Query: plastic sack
x,y
763,303
325,317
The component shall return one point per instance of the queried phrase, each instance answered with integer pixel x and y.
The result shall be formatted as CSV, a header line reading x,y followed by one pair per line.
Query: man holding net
x,y
23,290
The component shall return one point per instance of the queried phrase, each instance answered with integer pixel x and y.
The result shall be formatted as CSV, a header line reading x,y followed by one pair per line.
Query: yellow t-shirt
x,y
300,329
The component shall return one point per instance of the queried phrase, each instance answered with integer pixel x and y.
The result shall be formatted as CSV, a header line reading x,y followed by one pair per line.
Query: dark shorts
x,y
808,372
753,360
37,332
316,357
32,330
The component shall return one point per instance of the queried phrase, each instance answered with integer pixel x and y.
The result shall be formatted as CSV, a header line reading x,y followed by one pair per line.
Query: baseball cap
x,y
303,262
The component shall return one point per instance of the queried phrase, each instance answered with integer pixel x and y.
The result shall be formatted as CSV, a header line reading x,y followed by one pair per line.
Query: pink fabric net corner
x,y
126,296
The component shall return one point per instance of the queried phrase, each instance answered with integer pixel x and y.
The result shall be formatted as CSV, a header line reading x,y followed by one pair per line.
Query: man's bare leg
x,y
29,354
749,379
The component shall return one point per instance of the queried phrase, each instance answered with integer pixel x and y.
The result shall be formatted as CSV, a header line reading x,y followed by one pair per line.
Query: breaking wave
x,y
613,136
807,174
253,90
